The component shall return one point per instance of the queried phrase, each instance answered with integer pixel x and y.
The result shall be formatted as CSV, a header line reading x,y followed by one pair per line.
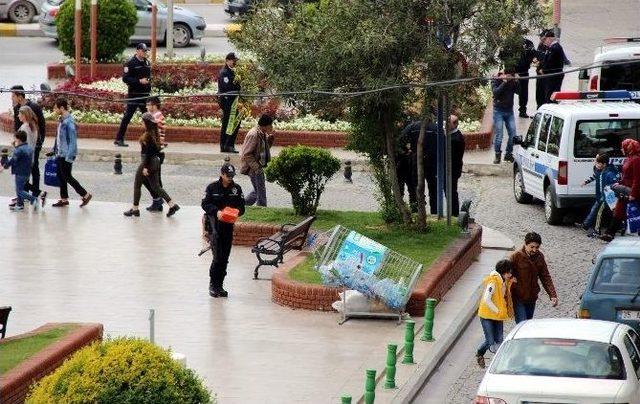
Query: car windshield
x,y
620,77
605,136
559,358
618,276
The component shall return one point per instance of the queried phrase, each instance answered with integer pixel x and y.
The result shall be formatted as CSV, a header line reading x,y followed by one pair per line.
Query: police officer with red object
x,y
223,203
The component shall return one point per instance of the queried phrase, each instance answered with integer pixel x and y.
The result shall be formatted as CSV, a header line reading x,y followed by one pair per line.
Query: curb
x,y
8,29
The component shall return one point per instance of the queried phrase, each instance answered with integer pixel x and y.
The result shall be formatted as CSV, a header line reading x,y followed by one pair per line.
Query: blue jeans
x,y
508,118
493,334
259,194
590,220
523,311
20,191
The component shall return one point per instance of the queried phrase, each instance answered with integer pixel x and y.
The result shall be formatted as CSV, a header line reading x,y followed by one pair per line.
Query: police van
x,y
558,151
620,68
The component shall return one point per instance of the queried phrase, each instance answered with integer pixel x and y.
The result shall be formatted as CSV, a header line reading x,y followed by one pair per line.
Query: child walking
x,y
20,164
495,307
604,174
153,106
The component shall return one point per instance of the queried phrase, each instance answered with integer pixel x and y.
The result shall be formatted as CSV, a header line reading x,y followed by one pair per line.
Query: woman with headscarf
x,y
631,180
148,173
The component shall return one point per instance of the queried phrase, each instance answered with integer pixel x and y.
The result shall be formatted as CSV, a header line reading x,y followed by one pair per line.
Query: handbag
x,y
51,173
633,217
610,197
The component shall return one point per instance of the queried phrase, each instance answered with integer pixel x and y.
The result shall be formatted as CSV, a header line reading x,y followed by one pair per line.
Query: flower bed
x,y
56,71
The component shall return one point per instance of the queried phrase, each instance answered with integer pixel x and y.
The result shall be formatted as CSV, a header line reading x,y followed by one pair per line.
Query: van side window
x,y
633,353
555,134
530,138
544,133
603,136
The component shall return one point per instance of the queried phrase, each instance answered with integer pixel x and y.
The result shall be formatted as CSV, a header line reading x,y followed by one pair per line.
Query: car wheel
x,y
21,12
181,35
552,213
518,188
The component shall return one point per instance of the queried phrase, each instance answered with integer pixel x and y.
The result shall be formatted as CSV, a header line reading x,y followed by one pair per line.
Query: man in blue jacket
x,y
66,149
20,164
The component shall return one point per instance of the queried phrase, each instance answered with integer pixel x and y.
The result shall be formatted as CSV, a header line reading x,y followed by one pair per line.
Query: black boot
x,y
497,159
214,291
508,157
222,292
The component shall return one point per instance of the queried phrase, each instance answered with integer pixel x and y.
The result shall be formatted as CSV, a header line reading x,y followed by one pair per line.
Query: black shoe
x,y
132,212
523,115
222,292
214,291
508,157
173,210
497,159
120,143
155,207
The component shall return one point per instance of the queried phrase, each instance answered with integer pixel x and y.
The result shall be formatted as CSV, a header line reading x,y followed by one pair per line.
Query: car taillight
x,y
563,172
593,83
53,12
488,400
584,313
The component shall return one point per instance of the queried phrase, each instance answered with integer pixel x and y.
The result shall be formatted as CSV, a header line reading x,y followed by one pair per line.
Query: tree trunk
x,y
393,171
420,195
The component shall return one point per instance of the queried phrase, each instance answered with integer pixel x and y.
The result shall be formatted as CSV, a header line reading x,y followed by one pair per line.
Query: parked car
x,y
557,153
187,25
236,8
20,11
564,361
613,291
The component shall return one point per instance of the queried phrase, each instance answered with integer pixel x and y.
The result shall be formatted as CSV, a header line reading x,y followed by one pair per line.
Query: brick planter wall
x,y
15,384
247,233
56,71
434,283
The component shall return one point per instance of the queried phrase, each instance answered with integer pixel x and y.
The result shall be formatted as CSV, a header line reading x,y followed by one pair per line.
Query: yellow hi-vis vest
x,y
501,301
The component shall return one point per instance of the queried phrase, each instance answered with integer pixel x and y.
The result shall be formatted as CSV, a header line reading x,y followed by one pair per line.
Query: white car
x,y
564,361
616,74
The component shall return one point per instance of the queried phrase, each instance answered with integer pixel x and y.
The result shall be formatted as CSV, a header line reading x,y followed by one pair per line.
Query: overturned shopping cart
x,y
346,258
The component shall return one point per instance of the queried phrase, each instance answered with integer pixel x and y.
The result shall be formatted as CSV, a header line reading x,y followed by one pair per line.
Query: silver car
x,y
19,11
187,25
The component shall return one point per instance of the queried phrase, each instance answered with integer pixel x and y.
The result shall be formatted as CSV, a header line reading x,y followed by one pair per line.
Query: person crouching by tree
x,y
221,194
529,266
256,154
149,168
495,307
153,106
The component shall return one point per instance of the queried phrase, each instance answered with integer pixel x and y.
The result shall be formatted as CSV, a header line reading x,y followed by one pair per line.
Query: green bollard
x,y
345,399
408,342
370,387
390,382
429,311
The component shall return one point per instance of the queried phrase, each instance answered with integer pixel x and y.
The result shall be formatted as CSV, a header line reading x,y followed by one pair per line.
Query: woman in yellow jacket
x,y
495,307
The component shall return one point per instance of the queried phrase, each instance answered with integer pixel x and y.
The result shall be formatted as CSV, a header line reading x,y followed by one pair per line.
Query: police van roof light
x,y
595,95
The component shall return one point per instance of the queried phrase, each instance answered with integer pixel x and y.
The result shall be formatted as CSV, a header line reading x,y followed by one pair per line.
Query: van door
x,y
537,154
527,155
550,159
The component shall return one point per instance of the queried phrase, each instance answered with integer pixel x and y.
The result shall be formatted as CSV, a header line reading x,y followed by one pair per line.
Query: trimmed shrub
x,y
116,23
123,370
303,171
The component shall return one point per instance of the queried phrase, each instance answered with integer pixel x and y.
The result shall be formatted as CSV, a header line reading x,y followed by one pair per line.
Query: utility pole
x,y
447,139
94,37
440,158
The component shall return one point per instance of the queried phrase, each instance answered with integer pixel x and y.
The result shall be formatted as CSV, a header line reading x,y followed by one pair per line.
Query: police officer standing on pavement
x,y
553,62
137,76
228,84
528,53
541,83
221,194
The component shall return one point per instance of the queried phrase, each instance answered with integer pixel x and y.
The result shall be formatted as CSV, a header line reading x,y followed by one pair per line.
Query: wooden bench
x,y
290,237
4,317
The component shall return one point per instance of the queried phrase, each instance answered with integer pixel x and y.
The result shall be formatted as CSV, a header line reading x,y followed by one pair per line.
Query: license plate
x,y
629,315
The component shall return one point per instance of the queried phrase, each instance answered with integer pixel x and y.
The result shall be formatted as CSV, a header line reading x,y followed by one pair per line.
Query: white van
x,y
625,76
558,151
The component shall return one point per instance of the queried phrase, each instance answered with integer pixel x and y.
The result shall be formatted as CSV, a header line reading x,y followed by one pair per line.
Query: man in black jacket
x,y
504,86
18,100
541,82
457,154
553,62
528,53
219,195
227,84
137,76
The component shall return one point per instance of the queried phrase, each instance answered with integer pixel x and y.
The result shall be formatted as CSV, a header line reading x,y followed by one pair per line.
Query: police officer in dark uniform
x,y
528,53
137,76
219,195
541,83
227,84
553,62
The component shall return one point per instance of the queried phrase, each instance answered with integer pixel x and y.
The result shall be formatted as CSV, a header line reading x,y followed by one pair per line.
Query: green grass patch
x,y
16,351
422,247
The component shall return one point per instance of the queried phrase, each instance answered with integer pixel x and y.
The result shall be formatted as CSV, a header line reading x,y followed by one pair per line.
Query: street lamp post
x,y
94,36
78,36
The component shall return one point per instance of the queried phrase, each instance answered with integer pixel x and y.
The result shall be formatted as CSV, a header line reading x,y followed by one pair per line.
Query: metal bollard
x,y
390,382
429,311
408,342
348,172
152,326
370,387
117,164
345,399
